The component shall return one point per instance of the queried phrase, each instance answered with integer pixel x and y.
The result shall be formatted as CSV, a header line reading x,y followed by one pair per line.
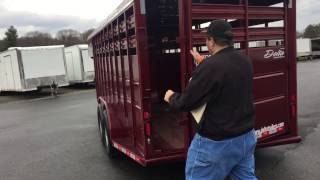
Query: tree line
x,y
311,31
67,37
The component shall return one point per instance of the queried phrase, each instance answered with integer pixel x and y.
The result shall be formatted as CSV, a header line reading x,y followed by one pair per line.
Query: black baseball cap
x,y
220,29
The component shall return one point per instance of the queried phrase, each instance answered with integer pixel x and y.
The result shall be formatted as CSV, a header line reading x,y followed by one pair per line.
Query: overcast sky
x,y
53,15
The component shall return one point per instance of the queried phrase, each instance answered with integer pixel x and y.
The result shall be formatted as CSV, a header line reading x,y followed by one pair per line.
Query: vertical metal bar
x,y
130,79
286,29
99,64
93,41
144,69
247,26
185,36
105,89
115,64
123,72
182,41
242,24
292,61
111,62
106,63
102,65
266,41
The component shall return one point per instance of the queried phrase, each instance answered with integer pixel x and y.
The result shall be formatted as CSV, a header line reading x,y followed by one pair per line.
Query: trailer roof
x,y
126,3
81,46
36,47
115,13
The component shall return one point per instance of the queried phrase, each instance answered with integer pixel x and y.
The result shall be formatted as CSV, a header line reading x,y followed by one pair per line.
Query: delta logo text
x,y
274,54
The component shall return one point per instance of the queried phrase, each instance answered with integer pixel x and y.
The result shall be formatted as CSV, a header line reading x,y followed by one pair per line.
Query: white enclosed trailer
x,y
304,48
80,67
315,44
29,68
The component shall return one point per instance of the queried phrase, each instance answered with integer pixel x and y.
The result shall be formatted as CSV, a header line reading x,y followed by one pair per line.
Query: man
x,y
225,140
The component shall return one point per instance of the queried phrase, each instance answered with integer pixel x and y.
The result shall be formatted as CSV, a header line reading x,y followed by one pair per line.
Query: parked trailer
x,y
80,67
315,44
142,49
29,68
304,48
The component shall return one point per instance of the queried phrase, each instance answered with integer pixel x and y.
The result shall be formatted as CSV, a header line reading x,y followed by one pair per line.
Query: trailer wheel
x,y
100,125
112,152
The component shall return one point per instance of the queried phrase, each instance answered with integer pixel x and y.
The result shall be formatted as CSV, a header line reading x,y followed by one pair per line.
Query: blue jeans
x,y
215,160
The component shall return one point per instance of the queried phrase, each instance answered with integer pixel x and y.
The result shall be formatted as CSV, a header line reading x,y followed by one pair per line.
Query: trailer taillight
x,y
148,129
146,115
293,106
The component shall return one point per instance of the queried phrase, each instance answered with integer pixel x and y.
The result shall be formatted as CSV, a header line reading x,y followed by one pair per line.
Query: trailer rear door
x,y
87,61
8,72
260,32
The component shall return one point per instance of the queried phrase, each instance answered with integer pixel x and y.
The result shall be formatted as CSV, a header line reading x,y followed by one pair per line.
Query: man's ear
x,y
211,42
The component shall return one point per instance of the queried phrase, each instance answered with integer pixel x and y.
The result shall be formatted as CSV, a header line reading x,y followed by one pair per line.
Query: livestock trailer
x,y
80,68
142,49
304,48
29,68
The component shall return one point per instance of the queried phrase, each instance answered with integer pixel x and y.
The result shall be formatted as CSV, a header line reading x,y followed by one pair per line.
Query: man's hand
x,y
168,95
196,56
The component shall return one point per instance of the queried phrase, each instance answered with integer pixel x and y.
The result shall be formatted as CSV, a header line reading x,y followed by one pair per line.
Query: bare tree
x,y
86,34
36,38
69,37
65,37
299,34
312,31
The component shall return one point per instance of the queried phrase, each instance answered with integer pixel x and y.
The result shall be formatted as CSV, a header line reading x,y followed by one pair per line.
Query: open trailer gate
x,y
264,30
142,49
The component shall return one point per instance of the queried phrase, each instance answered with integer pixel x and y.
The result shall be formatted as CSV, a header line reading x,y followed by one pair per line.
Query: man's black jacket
x,y
224,82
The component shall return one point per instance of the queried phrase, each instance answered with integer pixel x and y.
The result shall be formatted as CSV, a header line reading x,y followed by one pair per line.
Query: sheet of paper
x,y
198,113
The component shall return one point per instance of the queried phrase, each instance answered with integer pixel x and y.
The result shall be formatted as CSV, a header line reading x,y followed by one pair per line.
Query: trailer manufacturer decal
x,y
269,130
274,54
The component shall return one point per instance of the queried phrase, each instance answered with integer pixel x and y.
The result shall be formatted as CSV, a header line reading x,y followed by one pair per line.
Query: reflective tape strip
x,y
127,152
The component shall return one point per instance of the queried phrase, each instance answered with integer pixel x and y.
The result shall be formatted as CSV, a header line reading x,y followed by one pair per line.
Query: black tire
x,y
111,151
100,125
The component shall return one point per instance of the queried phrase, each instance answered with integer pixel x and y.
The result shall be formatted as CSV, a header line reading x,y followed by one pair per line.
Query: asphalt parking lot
x,y
9,97
42,137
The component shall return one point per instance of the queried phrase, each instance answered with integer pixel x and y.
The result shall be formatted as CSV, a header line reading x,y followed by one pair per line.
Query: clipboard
x,y
198,113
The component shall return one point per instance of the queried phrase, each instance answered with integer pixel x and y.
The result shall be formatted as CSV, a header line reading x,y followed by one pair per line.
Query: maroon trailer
x,y
142,49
